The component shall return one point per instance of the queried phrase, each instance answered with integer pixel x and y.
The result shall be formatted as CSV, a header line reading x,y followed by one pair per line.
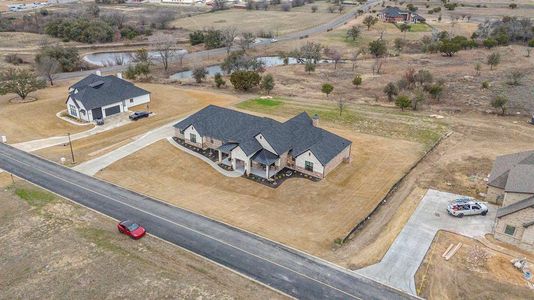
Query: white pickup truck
x,y
466,207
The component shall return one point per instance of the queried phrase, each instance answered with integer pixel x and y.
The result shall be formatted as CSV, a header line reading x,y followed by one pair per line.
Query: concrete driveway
x,y
399,265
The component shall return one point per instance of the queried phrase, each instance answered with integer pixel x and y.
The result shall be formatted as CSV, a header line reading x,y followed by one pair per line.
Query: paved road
x,y
200,55
290,271
399,265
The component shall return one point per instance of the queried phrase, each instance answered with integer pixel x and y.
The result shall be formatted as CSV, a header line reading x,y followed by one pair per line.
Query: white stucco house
x,y
263,146
98,97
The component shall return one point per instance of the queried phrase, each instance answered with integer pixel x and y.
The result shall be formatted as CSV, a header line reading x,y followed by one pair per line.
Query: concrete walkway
x,y
92,167
34,145
399,265
209,161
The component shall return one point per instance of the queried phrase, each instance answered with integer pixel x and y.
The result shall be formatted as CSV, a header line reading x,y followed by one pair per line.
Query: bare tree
x,y
354,58
334,55
247,39
229,34
48,67
162,18
164,45
180,54
115,18
340,102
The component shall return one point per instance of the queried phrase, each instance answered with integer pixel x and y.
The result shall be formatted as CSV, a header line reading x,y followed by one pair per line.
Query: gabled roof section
x,y
265,157
510,209
521,179
503,164
96,91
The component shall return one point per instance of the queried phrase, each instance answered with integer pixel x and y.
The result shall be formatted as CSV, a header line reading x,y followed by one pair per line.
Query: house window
x,y
308,165
131,100
193,137
509,230
73,110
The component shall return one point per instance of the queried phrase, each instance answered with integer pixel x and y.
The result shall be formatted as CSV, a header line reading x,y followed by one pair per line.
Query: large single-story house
x,y
396,15
511,184
98,97
263,146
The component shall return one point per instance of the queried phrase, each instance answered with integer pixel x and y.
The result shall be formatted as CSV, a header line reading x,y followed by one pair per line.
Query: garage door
x,y
112,110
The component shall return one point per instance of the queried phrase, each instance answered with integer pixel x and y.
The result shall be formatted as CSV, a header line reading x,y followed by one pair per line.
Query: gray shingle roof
x,y
96,91
296,135
502,174
512,208
265,157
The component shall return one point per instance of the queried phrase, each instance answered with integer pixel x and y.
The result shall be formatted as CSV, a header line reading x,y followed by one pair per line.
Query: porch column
x,y
267,171
220,156
247,167
233,163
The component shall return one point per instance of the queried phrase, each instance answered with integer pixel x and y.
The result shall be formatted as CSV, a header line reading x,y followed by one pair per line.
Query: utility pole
x,y
71,151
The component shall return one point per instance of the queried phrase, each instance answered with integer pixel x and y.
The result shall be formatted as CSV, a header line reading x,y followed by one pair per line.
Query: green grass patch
x,y
419,27
35,197
261,104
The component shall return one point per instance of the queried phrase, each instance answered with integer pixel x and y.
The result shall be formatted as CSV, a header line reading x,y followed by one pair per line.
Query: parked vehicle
x,y
466,207
131,229
274,40
139,115
99,121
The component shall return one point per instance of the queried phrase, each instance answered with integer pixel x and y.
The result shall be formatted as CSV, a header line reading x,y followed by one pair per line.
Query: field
x,y
471,279
273,20
36,120
300,213
168,103
54,249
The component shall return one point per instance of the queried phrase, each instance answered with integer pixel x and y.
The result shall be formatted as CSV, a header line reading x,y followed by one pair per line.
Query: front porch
x,y
262,170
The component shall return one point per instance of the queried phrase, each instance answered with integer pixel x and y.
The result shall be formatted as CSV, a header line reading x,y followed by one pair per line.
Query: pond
x,y
269,61
105,59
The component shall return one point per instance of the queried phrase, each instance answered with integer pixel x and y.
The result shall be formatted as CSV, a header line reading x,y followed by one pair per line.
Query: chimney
x,y
315,120
119,75
98,73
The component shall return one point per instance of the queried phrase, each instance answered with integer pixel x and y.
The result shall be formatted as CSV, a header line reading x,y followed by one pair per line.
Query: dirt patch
x,y
54,249
471,279
168,103
301,213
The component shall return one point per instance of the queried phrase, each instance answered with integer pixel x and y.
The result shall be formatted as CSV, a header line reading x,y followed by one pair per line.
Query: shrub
x,y
531,43
267,83
327,88
199,74
485,84
489,43
245,80
515,77
403,102
219,81
196,37
80,30
357,81
13,59
500,102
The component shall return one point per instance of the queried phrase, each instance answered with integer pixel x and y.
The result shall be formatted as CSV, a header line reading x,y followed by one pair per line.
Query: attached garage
x,y
112,110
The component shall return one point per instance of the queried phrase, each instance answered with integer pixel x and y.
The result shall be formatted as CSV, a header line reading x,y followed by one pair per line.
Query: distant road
x,y
287,270
200,55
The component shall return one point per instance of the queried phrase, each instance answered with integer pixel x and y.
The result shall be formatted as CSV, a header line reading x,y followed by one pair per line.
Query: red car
x,y
131,229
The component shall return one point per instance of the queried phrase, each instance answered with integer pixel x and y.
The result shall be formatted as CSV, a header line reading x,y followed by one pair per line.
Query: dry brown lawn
x,y
273,20
52,249
168,103
300,213
461,278
36,120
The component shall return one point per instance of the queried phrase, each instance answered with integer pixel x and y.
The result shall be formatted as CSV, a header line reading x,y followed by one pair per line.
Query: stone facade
x,y
494,195
511,198
521,236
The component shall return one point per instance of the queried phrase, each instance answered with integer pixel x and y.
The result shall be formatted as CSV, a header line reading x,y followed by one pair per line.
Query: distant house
x,y
511,183
396,15
98,97
263,146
